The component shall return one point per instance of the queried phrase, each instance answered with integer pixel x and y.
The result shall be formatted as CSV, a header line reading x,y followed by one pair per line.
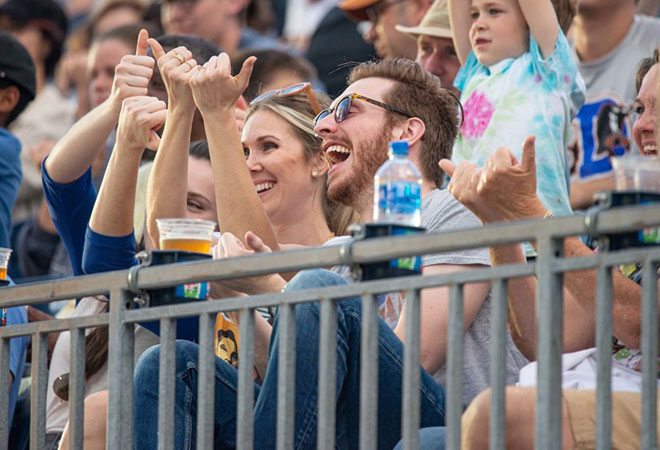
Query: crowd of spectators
x,y
271,119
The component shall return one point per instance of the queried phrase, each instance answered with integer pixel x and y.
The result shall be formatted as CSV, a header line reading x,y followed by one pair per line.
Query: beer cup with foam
x,y
191,235
5,253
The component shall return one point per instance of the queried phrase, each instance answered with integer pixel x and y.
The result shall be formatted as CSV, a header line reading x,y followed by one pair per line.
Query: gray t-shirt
x,y
610,85
442,212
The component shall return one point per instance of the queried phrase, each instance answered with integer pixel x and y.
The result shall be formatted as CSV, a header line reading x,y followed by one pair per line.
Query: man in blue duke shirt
x,y
17,88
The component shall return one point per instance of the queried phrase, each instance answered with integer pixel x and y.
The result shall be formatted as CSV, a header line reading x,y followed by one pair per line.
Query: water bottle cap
x,y
399,148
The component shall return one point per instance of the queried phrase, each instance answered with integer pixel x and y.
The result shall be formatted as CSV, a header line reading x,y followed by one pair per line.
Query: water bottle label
x,y
399,197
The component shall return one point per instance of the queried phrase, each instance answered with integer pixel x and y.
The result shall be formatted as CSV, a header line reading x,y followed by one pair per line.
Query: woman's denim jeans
x,y
390,371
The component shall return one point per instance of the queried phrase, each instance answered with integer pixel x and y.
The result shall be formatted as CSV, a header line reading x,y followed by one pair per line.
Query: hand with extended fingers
x,y
139,119
132,74
215,89
176,68
504,189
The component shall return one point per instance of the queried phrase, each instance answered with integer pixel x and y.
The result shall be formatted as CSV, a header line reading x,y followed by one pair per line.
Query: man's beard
x,y
359,182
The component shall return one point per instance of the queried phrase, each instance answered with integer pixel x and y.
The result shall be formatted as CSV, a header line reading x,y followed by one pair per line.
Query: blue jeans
x,y
432,438
390,370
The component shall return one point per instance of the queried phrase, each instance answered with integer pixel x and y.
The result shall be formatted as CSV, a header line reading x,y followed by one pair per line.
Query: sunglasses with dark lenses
x,y
343,107
290,91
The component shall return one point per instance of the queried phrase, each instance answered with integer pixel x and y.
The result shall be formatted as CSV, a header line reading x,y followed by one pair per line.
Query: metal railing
x,y
548,267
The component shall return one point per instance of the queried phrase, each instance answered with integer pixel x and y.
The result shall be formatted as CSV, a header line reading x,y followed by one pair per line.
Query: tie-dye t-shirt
x,y
516,98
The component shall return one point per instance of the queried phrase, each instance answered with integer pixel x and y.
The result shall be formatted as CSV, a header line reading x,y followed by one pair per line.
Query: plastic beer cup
x,y
191,235
637,173
5,253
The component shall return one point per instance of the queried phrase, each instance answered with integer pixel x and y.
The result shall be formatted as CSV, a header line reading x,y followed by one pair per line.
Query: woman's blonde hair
x,y
297,111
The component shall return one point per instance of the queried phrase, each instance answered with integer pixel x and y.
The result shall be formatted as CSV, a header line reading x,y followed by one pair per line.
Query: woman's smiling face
x,y
280,170
644,128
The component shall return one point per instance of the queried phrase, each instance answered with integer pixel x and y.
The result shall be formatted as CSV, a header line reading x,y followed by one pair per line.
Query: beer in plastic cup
x,y
191,235
5,253
637,173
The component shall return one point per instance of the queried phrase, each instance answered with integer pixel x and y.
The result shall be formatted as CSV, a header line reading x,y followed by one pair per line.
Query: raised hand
x,y
213,86
139,119
504,189
132,74
176,68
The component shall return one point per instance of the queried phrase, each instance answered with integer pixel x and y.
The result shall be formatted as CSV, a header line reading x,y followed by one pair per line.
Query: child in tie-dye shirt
x,y
518,78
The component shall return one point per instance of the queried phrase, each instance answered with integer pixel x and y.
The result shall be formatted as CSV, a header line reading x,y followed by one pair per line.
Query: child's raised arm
x,y
542,20
460,21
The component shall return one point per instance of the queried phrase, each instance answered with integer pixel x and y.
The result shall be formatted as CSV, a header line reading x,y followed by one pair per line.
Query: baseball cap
x,y
356,9
46,15
16,65
435,22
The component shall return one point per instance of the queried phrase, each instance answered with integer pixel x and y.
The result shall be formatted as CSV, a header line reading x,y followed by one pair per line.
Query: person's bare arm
x,y
168,183
582,192
543,24
75,152
505,190
113,211
215,93
578,324
626,296
460,21
435,315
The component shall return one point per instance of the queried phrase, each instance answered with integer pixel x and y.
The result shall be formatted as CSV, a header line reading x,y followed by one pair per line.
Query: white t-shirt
x,y
57,410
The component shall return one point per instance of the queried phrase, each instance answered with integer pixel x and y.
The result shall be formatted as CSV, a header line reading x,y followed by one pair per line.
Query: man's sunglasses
x,y
290,91
343,106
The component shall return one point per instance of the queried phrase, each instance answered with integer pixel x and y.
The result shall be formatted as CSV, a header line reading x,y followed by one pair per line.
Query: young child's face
x,y
498,30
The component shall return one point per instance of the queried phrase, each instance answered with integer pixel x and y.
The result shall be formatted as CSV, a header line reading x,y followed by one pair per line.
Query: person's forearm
x,y
582,192
459,17
75,152
626,296
168,182
113,211
239,207
542,20
521,299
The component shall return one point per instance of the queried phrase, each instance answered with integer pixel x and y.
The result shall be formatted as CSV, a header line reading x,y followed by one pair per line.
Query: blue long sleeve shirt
x,y
10,179
70,206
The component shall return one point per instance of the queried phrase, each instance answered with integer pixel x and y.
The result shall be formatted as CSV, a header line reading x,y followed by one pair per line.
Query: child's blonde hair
x,y
565,10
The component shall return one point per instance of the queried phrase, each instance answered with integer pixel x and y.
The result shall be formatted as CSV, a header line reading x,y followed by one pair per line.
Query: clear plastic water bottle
x,y
398,186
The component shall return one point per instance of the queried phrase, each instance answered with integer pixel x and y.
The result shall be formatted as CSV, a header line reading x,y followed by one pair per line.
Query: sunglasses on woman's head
x,y
290,91
343,107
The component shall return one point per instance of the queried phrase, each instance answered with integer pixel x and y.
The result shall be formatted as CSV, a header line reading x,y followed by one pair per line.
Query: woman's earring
x,y
315,173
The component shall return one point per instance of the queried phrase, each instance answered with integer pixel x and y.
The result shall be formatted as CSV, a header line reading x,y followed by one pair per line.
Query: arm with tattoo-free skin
x,y
460,21
168,182
216,92
113,211
434,317
505,190
75,152
542,20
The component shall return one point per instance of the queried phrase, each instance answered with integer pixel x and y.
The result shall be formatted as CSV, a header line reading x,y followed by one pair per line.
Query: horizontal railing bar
x,y
49,326
632,256
62,288
370,250
335,292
